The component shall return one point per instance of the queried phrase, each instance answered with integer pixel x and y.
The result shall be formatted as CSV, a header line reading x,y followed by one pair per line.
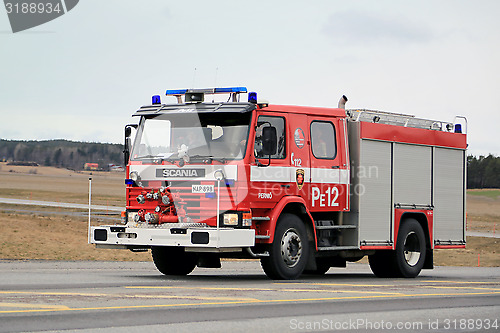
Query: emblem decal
x,y
299,138
299,177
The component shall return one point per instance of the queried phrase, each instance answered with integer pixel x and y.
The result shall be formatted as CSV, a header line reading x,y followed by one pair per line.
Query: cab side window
x,y
323,141
279,124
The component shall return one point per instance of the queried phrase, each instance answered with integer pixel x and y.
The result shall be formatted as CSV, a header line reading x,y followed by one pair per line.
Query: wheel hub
x,y
291,247
412,249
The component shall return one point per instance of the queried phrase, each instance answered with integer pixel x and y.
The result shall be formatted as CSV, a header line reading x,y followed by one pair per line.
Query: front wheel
x,y
289,251
173,260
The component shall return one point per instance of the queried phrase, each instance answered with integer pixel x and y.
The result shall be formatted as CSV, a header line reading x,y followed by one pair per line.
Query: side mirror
x,y
128,131
127,144
269,140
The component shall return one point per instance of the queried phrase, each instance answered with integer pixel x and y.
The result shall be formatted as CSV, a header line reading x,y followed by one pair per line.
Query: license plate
x,y
202,188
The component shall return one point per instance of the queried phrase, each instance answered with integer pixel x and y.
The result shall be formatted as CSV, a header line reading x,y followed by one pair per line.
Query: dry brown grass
x,y
53,184
32,236
57,237
487,248
483,213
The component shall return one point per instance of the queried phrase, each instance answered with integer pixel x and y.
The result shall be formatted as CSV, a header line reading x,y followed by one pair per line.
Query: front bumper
x,y
114,236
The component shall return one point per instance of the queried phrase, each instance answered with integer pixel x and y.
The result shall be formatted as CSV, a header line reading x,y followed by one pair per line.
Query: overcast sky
x,y
82,75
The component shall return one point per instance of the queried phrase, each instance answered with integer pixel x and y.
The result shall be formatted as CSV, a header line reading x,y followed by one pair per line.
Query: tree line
x,y
483,172
61,153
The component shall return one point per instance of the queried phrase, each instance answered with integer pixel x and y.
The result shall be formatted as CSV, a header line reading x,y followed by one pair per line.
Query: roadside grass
x,y
34,236
488,193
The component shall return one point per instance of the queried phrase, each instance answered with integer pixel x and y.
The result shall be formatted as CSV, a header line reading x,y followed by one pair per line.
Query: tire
x,y
410,249
408,259
173,260
289,251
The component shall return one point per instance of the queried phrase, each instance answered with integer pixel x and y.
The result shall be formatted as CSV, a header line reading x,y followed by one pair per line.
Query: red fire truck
x,y
302,189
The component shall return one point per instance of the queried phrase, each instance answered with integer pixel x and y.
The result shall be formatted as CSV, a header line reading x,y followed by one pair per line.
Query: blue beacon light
x,y
156,99
252,97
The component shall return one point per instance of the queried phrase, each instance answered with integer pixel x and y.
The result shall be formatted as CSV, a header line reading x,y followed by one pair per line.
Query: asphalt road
x,y
134,297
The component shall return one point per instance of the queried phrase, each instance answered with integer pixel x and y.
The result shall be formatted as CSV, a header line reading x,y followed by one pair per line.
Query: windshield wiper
x,y
157,157
146,156
209,158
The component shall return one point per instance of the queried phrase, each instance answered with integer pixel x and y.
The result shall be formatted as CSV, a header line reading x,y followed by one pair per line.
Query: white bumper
x,y
203,238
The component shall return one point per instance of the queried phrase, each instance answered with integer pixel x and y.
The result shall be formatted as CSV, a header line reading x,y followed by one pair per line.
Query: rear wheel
x,y
173,260
410,249
289,251
408,258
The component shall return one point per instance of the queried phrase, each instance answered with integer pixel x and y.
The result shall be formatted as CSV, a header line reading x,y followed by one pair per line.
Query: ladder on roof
x,y
399,119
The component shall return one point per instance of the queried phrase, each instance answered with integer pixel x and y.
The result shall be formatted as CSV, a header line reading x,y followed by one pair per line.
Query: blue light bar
x,y
129,182
230,90
176,92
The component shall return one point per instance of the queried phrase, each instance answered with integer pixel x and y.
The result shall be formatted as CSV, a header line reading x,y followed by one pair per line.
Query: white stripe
x,y
288,174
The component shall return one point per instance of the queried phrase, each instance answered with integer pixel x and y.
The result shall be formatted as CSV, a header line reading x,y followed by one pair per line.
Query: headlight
x,y
219,174
230,219
134,176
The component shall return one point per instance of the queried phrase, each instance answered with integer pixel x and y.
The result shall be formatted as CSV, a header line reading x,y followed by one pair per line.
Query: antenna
x,y
215,82
194,78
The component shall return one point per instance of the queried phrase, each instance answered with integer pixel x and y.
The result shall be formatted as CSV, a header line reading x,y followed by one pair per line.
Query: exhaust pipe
x,y
342,102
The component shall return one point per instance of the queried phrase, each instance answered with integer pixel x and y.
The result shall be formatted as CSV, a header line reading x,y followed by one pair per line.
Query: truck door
x,y
269,173
328,166
298,158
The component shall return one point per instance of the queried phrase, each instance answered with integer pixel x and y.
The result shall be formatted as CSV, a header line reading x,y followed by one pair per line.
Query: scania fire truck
x,y
302,189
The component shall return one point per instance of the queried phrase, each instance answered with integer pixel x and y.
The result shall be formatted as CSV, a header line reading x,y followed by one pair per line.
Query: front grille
x,y
198,207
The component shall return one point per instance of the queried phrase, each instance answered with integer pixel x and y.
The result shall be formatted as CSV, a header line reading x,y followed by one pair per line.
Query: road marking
x,y
245,302
221,298
267,289
381,285
38,306
462,282
468,288
336,284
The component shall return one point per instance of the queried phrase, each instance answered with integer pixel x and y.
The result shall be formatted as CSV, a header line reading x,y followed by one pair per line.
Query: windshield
x,y
174,136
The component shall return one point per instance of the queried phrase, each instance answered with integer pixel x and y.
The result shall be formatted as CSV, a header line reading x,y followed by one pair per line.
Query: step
x,y
262,237
332,227
337,248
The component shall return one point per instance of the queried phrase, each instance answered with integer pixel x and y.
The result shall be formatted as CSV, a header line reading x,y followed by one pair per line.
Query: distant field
x,y
61,234
53,184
